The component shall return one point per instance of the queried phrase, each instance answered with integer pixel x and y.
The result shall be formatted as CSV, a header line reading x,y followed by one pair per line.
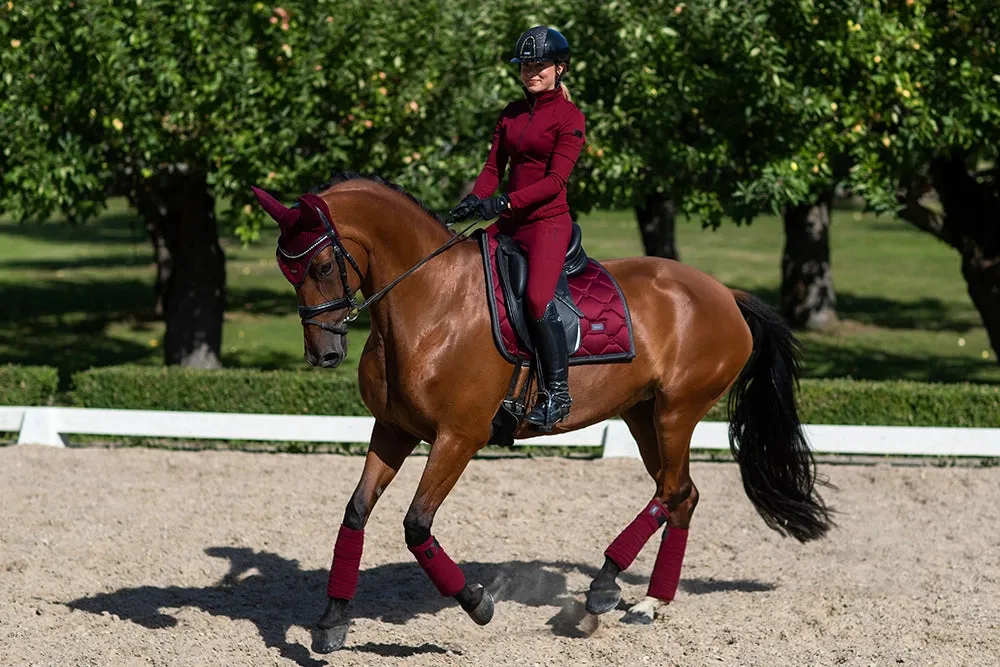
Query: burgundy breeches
x,y
545,242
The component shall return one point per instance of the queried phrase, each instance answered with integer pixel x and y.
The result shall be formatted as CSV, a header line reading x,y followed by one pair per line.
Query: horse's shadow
x,y
276,594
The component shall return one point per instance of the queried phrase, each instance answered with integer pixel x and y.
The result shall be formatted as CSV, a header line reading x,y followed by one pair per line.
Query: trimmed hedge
x,y
235,390
893,403
27,385
896,403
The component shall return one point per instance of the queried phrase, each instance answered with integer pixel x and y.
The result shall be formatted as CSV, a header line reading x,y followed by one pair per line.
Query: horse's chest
x,y
372,378
385,393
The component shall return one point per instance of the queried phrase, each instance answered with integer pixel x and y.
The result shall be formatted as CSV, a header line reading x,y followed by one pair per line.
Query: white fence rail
x,y
47,426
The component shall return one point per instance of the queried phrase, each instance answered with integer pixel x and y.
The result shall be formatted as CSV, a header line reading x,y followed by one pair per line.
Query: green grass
x,y
75,297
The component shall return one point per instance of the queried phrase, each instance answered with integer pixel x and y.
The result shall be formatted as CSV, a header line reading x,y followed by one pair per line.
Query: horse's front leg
x,y
388,449
448,459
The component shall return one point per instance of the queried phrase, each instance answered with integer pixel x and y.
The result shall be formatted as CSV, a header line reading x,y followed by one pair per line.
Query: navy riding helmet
x,y
541,44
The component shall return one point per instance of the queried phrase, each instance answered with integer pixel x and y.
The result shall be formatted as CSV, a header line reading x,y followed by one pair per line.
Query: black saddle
x,y
512,265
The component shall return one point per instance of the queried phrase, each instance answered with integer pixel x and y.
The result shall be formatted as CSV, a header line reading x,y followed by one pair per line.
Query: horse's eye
x,y
324,269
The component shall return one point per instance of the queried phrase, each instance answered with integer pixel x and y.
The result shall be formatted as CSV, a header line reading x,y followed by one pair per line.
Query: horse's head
x,y
312,256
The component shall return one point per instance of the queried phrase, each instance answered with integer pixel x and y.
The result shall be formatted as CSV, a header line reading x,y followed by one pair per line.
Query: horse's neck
x,y
397,236
398,246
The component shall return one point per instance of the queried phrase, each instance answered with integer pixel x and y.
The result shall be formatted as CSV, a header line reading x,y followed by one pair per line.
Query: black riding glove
x,y
464,210
493,207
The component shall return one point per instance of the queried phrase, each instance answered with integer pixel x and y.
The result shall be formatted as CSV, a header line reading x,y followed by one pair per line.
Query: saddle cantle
x,y
590,303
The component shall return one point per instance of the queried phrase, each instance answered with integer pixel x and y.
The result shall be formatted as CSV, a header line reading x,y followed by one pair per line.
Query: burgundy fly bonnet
x,y
303,233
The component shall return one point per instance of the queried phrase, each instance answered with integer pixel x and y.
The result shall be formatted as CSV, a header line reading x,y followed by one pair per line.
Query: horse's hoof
x,y
637,618
328,640
603,600
482,612
644,612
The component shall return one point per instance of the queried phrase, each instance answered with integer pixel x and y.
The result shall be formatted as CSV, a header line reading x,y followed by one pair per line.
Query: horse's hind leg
x,y
605,593
447,461
680,495
388,449
663,434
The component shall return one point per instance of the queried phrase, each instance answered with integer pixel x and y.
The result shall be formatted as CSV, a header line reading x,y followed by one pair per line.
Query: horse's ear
x,y
274,208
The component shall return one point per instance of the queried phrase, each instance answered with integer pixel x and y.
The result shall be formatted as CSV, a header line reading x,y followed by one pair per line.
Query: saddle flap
x,y
516,266
569,314
575,240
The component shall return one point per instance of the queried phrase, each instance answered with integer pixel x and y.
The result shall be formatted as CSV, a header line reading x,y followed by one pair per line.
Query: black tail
x,y
765,435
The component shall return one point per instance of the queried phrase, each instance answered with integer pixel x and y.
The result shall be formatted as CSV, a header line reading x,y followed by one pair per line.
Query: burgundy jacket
x,y
541,136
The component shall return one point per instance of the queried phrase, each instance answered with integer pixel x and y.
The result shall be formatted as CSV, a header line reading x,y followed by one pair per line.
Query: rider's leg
x,y
550,346
545,243
546,249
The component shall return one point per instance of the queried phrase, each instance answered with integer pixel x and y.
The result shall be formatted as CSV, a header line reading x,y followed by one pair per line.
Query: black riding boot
x,y
550,346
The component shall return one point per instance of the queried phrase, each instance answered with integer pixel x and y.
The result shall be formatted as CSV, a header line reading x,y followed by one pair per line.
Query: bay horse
x,y
430,371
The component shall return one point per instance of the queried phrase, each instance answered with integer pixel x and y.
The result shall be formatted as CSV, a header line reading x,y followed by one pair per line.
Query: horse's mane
x,y
351,176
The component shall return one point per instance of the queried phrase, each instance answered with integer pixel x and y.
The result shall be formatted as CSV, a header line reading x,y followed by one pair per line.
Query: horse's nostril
x,y
331,356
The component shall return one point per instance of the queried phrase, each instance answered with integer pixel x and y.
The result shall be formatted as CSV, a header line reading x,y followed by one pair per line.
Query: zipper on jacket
x,y
531,114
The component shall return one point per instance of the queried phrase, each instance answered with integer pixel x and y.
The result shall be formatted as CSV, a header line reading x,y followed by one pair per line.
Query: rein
x,y
340,252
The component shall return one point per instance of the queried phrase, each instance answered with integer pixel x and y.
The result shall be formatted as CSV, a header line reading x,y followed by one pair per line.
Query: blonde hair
x,y
565,88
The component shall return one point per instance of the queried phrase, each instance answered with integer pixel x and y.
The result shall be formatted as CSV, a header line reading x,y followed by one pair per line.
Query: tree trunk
x,y
164,263
180,213
970,223
808,299
984,289
657,217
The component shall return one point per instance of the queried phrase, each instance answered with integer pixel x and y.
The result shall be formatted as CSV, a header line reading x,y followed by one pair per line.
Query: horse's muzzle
x,y
330,354
332,359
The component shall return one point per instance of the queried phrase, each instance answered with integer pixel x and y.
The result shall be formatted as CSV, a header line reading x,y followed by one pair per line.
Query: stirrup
x,y
548,412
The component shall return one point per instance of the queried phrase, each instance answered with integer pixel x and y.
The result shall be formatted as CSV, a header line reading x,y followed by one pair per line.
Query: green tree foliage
x,y
742,108
104,94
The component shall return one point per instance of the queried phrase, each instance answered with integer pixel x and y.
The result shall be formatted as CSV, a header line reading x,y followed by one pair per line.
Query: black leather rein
x,y
340,253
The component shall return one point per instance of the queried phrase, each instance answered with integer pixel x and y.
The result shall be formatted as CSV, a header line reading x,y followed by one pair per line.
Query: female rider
x,y
541,136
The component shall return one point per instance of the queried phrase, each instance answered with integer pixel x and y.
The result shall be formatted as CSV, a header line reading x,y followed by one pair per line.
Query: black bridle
x,y
343,256
307,313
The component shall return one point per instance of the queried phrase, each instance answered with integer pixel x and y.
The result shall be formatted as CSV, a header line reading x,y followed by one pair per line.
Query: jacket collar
x,y
543,98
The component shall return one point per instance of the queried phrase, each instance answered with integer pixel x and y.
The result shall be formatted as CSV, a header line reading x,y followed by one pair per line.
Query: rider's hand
x,y
464,210
493,207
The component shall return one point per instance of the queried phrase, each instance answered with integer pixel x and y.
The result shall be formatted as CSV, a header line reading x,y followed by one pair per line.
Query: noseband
x,y
342,255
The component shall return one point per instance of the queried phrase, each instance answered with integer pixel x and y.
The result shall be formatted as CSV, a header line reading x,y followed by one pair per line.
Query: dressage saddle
x,y
591,307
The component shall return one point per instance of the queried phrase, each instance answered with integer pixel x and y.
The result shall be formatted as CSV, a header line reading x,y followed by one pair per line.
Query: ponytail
x,y
559,78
